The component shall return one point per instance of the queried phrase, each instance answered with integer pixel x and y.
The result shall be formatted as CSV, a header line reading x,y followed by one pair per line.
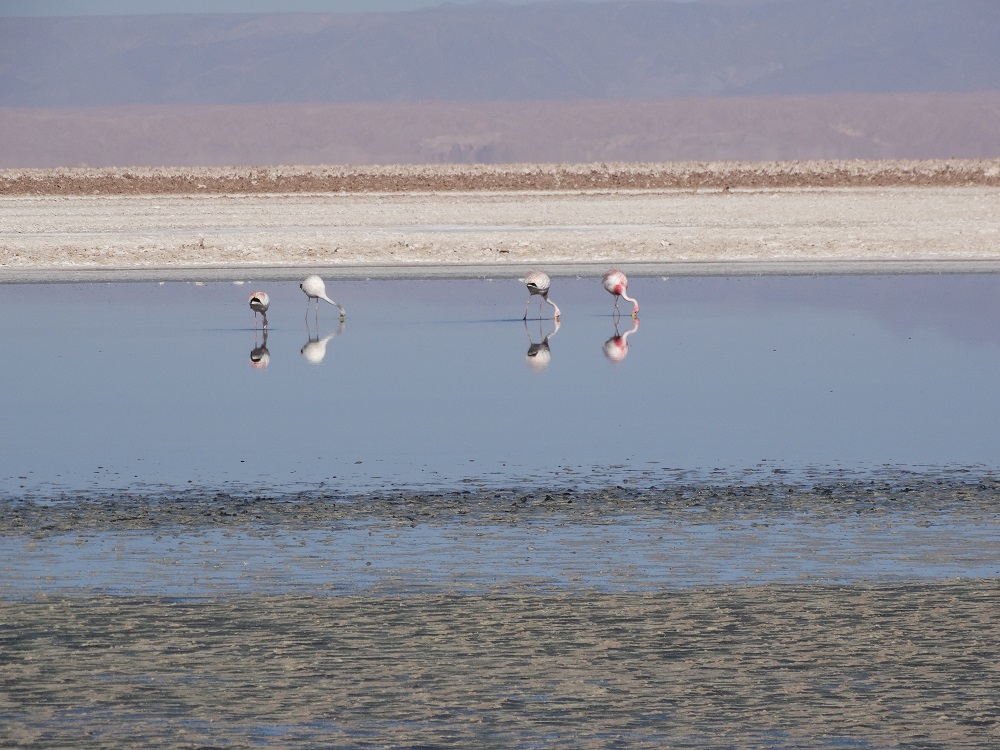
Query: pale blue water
x,y
141,387
119,385
630,554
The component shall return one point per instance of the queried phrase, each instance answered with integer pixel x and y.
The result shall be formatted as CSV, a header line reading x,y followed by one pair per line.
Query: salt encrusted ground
x,y
344,218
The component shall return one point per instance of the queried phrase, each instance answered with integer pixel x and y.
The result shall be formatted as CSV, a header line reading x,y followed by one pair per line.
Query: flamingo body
x,y
259,302
315,289
616,283
538,283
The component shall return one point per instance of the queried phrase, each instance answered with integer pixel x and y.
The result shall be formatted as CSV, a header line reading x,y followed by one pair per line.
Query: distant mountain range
x,y
492,51
550,81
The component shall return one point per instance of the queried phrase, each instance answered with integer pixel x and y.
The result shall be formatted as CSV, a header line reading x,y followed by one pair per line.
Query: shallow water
x,y
429,384
772,524
456,557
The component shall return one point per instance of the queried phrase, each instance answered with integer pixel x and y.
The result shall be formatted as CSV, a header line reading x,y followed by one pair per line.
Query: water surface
x,y
434,383
769,521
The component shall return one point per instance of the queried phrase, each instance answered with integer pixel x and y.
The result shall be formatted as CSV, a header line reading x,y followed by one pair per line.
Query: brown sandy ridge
x,y
444,178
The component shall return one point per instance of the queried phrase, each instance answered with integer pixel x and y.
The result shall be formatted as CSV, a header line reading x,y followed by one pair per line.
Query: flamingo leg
x,y
526,305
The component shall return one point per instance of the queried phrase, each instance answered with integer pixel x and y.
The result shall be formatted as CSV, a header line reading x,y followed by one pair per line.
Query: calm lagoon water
x,y
432,384
151,390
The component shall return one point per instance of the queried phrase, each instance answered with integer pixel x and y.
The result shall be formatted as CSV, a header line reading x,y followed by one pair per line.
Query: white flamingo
x,y
617,284
315,289
538,283
259,302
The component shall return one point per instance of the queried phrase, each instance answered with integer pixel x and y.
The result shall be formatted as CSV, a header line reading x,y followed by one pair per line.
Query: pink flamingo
x,y
617,284
259,302
538,283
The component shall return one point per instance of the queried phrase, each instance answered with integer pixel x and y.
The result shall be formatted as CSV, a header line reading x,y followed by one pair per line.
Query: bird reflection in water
x,y
616,347
539,355
314,349
260,357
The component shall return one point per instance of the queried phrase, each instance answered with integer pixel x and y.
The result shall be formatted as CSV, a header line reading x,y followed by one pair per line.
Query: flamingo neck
x,y
554,305
635,305
335,304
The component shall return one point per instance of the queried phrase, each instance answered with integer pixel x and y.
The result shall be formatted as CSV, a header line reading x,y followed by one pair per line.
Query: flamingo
x,y
538,283
617,284
259,302
315,289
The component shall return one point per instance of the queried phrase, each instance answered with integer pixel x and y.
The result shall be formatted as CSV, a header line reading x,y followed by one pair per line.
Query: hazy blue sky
x,y
125,7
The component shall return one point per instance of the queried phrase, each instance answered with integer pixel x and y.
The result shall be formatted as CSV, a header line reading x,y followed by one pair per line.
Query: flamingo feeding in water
x,y
259,302
617,284
315,289
538,283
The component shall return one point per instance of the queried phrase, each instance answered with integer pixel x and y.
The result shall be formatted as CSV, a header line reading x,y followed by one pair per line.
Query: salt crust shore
x,y
680,218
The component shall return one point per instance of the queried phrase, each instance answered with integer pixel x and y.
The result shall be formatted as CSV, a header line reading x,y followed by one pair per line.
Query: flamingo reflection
x,y
314,350
539,355
260,357
616,347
